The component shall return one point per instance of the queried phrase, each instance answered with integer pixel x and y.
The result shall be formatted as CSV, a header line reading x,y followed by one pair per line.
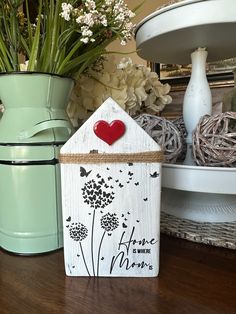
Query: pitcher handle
x,y
45,125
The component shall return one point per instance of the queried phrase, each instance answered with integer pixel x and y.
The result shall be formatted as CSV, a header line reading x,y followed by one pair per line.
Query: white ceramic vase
x,y
197,98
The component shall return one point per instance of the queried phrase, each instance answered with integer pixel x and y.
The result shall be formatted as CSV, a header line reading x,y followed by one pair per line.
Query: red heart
x,y
109,133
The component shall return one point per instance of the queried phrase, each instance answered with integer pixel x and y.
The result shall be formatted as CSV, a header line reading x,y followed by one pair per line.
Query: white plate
x,y
170,34
219,180
201,207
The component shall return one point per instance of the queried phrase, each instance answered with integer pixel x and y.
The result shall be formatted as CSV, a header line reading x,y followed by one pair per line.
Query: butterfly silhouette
x,y
68,219
154,175
124,225
83,172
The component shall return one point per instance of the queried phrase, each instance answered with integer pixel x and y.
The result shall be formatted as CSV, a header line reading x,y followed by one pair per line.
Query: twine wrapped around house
x,y
165,133
214,140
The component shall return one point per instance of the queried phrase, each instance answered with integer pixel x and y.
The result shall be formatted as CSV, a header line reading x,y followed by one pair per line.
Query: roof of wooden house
x,y
134,139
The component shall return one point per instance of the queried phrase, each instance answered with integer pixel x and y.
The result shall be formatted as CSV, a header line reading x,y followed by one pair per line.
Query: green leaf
x,y
36,39
6,56
29,27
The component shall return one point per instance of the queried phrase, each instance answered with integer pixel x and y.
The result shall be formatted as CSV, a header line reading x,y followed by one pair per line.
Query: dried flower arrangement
x,y
134,87
65,38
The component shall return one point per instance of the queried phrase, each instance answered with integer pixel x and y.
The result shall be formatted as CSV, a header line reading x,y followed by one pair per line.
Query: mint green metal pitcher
x,y
33,127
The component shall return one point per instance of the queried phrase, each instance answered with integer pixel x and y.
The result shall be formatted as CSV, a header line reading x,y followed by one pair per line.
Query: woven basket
x,y
216,234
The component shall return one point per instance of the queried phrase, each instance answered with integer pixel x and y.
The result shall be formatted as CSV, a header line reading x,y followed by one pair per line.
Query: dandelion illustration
x,y
97,193
78,232
109,222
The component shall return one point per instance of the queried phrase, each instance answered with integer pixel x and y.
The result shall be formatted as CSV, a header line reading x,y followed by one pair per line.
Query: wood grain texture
x,y
194,278
116,233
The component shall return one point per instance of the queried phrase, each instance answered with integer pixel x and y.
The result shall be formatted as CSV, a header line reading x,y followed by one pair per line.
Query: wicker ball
x,y
179,123
214,140
165,133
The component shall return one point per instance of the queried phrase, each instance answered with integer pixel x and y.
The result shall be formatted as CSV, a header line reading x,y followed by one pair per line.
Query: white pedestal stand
x,y
170,35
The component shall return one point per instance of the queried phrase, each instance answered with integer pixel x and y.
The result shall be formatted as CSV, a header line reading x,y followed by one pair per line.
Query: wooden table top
x,y
193,279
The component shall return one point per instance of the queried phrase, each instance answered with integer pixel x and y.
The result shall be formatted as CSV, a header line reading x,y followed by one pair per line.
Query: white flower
x,y
134,87
86,18
103,20
84,40
90,4
66,11
86,31
100,21
120,17
109,2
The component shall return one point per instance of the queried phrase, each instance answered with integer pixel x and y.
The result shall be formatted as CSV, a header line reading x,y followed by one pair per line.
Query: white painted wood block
x,y
111,211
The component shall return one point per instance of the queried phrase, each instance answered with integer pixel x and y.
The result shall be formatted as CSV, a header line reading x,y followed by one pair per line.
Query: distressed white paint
x,y
132,248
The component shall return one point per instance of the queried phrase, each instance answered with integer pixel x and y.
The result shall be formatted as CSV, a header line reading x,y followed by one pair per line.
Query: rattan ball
x,y
179,123
165,133
214,140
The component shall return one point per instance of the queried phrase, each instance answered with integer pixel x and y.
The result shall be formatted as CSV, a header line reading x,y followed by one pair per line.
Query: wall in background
x,y
147,8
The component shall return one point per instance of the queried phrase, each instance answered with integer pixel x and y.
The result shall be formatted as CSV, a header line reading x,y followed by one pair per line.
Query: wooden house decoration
x,y
111,180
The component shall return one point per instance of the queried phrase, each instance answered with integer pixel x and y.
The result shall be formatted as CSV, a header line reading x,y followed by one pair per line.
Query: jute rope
x,y
92,158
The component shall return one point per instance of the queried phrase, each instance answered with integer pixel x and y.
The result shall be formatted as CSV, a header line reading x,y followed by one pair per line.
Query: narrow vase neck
x,y
198,58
